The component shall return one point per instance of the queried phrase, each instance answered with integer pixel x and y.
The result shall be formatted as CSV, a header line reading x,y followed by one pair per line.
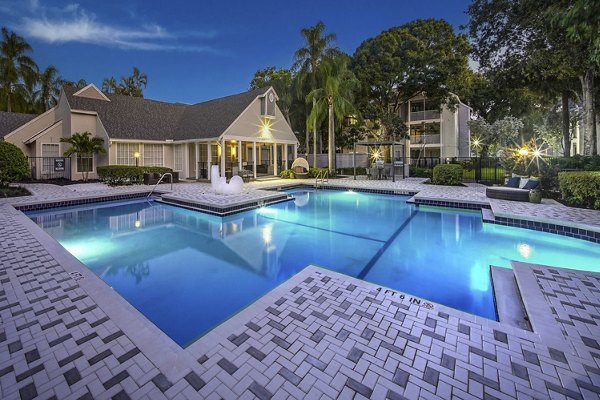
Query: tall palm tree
x,y
138,79
316,46
333,99
109,85
84,147
15,65
49,87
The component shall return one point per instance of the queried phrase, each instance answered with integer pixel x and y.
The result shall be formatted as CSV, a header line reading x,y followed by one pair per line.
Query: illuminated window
x,y
153,155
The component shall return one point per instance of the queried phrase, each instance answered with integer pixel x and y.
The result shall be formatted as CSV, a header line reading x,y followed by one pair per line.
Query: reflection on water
x,y
188,271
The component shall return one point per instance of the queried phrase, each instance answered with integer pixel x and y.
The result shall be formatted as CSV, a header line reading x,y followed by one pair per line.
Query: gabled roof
x,y
9,121
211,118
137,118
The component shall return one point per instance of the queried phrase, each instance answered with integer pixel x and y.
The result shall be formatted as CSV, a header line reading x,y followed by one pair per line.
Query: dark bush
x,y
550,167
287,174
420,172
313,172
447,174
115,175
13,164
350,171
580,188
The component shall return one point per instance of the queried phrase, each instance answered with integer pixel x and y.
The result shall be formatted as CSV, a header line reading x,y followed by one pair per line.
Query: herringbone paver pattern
x,y
320,335
335,336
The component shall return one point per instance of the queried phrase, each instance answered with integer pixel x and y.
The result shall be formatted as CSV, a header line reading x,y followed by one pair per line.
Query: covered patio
x,y
383,161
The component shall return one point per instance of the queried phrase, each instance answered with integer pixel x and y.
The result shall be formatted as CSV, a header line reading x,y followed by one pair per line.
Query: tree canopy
x,y
420,57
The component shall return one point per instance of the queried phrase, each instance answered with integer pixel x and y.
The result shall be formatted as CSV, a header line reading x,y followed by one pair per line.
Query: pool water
x,y
188,271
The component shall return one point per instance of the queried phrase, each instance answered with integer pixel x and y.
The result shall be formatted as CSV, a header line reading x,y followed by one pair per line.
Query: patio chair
x,y
300,168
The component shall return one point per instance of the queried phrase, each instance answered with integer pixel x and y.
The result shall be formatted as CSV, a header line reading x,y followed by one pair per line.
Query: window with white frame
x,y
153,155
125,153
85,163
49,152
179,157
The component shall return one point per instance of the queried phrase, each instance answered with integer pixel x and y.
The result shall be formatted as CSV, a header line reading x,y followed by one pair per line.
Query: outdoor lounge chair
x,y
300,168
512,191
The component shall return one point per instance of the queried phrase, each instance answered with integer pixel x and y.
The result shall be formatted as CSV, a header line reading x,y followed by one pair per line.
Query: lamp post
x,y
136,155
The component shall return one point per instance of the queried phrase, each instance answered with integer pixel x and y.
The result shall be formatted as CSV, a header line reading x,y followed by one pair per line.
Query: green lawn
x,y
487,173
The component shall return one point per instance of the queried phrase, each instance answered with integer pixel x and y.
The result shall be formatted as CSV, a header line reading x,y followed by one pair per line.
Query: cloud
x,y
72,24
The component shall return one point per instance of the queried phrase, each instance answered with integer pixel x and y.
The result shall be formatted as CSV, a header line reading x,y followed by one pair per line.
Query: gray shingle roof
x,y
126,117
11,121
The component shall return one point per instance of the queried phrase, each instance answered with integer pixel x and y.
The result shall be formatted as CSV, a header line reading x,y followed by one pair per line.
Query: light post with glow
x,y
136,155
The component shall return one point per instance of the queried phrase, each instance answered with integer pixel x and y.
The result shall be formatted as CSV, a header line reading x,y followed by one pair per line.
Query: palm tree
x,y
137,80
334,99
15,65
109,85
84,147
49,87
306,63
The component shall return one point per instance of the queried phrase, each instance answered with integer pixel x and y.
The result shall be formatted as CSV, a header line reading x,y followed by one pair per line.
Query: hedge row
x,y
115,175
580,188
447,174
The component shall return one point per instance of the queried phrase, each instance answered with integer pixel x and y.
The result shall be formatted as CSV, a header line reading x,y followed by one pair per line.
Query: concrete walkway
x,y
66,334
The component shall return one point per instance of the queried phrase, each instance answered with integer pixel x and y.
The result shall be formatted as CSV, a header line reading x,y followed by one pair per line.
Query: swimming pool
x,y
188,271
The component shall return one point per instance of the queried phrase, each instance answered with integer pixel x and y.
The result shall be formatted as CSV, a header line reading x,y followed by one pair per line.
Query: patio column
x,y
222,157
239,154
295,151
286,150
254,159
197,166
208,159
275,159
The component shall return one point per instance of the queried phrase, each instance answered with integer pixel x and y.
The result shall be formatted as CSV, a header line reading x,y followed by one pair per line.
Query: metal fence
x,y
49,168
486,170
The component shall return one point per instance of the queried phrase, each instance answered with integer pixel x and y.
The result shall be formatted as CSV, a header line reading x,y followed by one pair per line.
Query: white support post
x,y
222,157
239,154
254,159
208,159
275,159
197,166
295,151
286,150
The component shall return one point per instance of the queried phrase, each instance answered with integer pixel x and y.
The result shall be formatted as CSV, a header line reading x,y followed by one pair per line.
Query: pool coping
x,y
153,342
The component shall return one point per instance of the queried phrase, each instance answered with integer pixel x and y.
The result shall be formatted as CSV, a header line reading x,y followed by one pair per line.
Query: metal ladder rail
x,y
159,181
324,175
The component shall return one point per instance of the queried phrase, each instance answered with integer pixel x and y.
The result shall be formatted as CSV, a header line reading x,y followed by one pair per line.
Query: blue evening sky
x,y
197,50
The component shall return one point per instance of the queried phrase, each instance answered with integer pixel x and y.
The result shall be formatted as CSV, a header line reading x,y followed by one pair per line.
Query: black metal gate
x,y
49,168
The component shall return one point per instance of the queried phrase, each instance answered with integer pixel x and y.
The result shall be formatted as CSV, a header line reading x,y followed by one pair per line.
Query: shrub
x,y
13,164
287,174
581,188
447,174
313,172
420,172
350,171
115,175
549,169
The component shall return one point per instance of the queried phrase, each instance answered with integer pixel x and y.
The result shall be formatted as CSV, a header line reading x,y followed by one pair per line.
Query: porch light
x,y
137,224
265,129
137,156
523,151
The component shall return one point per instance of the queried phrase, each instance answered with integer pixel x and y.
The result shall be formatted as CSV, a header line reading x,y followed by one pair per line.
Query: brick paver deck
x,y
65,334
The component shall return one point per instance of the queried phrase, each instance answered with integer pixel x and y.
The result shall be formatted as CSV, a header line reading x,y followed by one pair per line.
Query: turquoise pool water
x,y
187,271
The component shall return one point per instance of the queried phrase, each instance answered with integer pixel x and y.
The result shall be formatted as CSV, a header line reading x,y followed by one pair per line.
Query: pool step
x,y
487,215
509,303
542,320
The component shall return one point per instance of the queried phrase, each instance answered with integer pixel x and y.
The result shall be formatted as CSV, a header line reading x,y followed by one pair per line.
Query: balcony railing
x,y
425,139
424,115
